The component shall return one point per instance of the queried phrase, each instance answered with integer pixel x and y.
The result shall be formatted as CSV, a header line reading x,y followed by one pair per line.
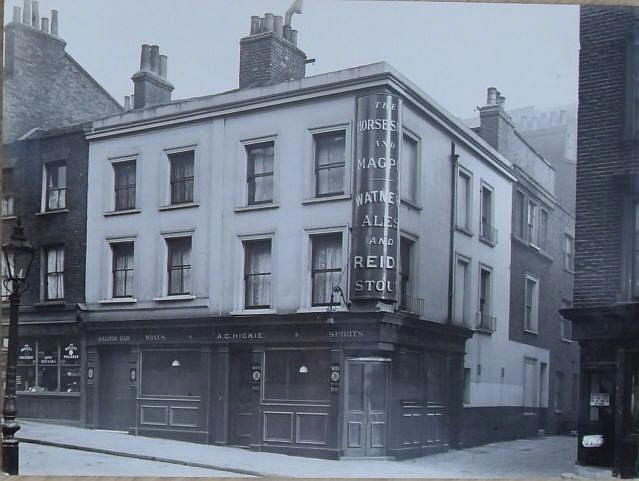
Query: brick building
x,y
46,94
607,228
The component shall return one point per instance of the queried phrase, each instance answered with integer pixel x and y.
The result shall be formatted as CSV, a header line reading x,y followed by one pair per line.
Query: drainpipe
x,y
451,252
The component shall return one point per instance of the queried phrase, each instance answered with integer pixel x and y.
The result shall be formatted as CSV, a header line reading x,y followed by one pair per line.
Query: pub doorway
x,y
366,414
115,394
241,407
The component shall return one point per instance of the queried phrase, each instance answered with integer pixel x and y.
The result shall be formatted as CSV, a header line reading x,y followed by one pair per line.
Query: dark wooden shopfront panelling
x,y
242,406
115,393
366,407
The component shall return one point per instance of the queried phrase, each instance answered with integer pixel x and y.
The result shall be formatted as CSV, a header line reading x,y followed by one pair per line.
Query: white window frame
x,y
239,289
535,383
467,227
310,189
109,268
418,168
543,243
532,234
110,192
569,262
486,186
164,287
306,286
166,195
533,326
467,316
44,271
44,197
243,191
413,264
491,297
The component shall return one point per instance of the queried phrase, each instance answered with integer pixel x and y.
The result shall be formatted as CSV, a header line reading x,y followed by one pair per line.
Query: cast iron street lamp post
x,y
18,256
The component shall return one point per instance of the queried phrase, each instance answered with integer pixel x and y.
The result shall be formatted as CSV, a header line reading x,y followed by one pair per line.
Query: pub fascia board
x,y
344,81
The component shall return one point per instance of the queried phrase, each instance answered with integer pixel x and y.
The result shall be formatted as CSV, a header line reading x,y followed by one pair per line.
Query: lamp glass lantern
x,y
18,256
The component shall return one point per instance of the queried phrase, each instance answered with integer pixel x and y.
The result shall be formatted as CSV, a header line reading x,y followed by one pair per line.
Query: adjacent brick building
x,y
46,95
606,310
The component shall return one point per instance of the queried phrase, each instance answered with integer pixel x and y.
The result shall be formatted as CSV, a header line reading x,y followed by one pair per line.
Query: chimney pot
x,y
54,22
127,102
491,96
155,59
145,58
35,14
562,117
45,25
278,24
293,36
17,13
268,22
286,32
501,100
26,12
255,25
163,65
132,101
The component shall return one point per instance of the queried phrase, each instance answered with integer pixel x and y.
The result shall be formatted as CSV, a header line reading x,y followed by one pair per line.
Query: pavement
x,y
551,456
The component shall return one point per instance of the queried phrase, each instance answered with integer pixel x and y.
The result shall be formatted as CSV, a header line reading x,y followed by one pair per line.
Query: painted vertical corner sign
x,y
376,198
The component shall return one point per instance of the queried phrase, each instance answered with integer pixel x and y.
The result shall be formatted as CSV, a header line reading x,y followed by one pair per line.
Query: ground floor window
x,y
301,375
48,365
172,373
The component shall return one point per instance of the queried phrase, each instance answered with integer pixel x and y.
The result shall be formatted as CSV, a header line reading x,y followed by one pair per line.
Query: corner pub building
x,y
269,267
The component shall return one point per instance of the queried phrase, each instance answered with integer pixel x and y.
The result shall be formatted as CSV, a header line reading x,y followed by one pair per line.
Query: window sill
x,y
58,302
50,212
328,198
119,300
48,393
122,212
181,297
567,341
249,208
569,271
9,217
411,204
531,332
464,230
487,241
248,312
185,205
325,309
485,331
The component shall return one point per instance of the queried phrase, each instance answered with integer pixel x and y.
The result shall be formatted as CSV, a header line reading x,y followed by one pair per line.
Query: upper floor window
x,y
405,284
257,274
487,229
122,269
461,293
409,169
181,177
532,222
56,185
326,267
7,196
54,272
531,307
569,253
179,265
486,320
464,196
5,289
124,184
635,251
259,172
543,229
330,162
519,215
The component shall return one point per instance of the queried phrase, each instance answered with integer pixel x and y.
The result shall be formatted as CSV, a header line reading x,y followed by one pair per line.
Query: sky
x,y
453,51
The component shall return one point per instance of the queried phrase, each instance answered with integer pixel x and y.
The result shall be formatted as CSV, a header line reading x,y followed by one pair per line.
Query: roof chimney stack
x,y
269,54
495,124
150,85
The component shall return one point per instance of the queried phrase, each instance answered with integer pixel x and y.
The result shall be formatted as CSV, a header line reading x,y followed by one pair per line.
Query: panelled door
x,y
116,401
366,407
242,410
